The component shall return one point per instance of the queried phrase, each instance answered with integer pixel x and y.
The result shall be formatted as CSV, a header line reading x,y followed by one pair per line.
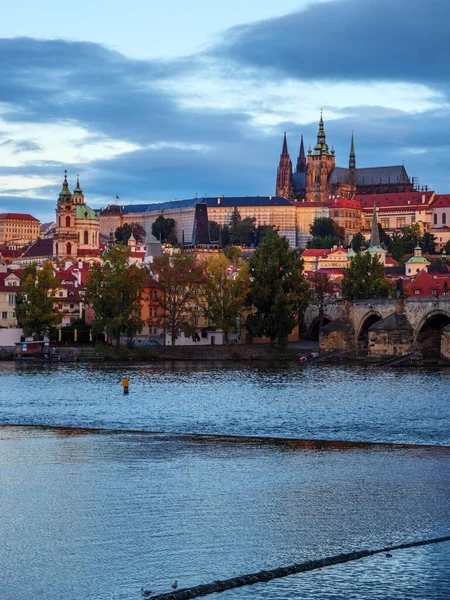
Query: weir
x,y
262,576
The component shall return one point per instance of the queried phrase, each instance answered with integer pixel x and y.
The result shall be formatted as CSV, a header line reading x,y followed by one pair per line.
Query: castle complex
x,y
317,178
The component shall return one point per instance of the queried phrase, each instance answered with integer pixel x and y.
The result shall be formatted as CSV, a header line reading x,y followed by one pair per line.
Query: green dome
x,y
84,212
418,259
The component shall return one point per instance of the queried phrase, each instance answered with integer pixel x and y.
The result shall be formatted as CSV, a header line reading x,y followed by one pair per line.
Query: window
x,y
67,221
69,248
4,315
433,292
435,219
61,294
400,222
444,218
11,299
60,306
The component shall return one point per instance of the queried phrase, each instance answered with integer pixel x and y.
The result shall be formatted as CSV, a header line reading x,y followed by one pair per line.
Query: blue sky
x,y
156,102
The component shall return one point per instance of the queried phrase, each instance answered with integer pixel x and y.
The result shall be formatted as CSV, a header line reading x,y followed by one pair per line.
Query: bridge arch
x,y
313,330
428,334
362,336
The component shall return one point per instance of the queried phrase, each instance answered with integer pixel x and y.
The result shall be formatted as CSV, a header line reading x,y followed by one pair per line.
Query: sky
x,y
156,101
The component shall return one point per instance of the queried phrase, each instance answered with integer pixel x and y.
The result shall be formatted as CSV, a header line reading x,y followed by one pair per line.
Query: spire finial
x,y
65,175
78,180
301,161
284,151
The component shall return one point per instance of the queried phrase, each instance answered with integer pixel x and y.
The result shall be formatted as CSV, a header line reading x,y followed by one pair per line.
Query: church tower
x,y
66,238
285,186
320,164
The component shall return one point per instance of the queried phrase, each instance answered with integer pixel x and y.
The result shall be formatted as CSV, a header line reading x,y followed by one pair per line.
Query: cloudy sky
x,y
154,101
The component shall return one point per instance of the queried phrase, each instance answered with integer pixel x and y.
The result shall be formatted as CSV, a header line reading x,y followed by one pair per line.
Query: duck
x,y
145,593
388,555
174,585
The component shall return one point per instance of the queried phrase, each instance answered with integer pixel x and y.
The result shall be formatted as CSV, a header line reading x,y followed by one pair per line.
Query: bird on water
x,y
174,585
145,593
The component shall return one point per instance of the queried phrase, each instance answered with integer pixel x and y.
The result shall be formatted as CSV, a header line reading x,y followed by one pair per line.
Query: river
x,y
209,471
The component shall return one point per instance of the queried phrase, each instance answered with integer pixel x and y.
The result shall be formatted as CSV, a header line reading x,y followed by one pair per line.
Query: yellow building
x,y
18,228
9,286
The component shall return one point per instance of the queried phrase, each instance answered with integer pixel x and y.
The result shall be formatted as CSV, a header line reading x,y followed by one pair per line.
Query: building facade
x,y
18,228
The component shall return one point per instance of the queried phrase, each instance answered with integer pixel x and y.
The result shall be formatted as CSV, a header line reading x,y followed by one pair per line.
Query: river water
x,y
209,471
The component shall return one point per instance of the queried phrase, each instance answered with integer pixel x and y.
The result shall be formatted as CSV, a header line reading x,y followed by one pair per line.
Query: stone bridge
x,y
384,327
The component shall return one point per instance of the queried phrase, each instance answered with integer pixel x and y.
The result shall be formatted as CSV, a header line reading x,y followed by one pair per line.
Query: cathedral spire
x,y
284,151
321,147
375,235
65,195
352,159
301,160
284,185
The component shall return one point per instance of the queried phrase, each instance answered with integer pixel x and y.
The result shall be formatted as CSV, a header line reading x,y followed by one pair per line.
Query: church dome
x,y
83,211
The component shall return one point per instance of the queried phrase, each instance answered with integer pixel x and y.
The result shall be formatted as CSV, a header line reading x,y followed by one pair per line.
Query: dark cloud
x,y
400,40
16,147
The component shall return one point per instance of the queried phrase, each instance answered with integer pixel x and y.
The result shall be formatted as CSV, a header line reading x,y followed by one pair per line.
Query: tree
x,y
180,277
233,253
34,308
411,237
262,231
279,292
326,233
123,233
321,291
235,221
163,228
224,293
397,246
115,290
428,243
358,241
385,239
247,231
214,231
364,279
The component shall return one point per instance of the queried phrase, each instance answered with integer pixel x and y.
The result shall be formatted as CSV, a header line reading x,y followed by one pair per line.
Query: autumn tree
x,y
115,290
163,228
123,233
180,277
364,278
233,253
321,292
279,292
35,300
224,293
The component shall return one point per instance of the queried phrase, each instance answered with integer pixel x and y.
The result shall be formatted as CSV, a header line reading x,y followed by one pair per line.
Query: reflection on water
x,y
316,402
96,516
217,489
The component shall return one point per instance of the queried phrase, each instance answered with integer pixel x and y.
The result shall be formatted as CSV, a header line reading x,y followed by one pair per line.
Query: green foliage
x,y
428,243
35,300
114,290
323,242
123,233
326,233
163,228
242,231
233,253
180,277
385,239
223,296
364,279
397,246
411,237
358,242
262,231
279,293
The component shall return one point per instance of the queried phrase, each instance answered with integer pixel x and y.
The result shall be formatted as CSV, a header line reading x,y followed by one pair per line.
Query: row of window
x,y
444,219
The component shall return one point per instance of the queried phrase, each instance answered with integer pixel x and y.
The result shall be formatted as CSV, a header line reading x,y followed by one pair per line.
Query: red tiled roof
x,y
316,252
441,201
344,203
424,284
18,217
339,249
40,248
391,262
406,199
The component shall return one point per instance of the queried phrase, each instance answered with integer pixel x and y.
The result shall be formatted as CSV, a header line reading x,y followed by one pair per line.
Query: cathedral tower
x,y
285,186
66,238
320,164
